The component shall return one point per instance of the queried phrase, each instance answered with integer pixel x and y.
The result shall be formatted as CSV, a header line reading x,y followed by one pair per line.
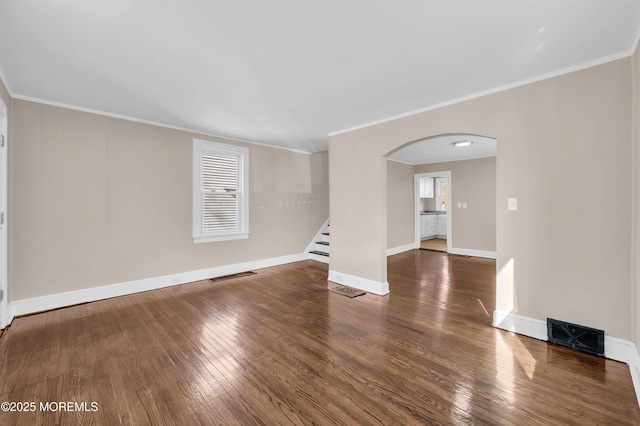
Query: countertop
x,y
432,212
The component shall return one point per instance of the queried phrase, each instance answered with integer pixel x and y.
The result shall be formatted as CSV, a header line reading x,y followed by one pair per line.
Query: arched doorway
x,y
465,219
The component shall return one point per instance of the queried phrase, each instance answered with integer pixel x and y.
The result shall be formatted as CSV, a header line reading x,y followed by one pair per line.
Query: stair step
x,y
319,253
325,233
321,246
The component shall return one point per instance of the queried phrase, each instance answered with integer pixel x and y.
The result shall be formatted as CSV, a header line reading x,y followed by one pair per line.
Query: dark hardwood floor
x,y
437,244
278,348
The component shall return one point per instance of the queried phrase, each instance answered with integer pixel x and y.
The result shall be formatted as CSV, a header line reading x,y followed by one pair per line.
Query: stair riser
x,y
319,258
324,238
321,247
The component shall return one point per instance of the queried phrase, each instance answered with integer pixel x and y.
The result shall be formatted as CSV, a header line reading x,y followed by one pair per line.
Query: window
x,y
441,194
220,192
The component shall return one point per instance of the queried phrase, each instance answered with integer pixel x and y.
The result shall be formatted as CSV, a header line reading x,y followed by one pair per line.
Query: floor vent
x,y
575,336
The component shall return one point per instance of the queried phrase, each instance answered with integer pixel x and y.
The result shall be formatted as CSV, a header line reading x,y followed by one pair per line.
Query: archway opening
x,y
442,190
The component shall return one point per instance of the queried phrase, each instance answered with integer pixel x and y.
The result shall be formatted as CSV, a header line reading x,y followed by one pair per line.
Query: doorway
x,y
432,210
471,199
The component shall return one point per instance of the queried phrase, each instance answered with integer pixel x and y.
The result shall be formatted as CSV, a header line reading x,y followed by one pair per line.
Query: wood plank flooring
x,y
437,244
278,348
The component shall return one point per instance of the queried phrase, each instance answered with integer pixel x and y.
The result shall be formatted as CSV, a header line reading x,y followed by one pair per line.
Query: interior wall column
x,y
358,215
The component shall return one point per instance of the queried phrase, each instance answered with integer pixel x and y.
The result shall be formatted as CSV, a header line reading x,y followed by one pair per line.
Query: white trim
x,y
370,286
498,89
5,317
402,249
152,123
200,239
475,253
317,237
634,367
60,300
616,349
522,325
318,258
200,148
416,204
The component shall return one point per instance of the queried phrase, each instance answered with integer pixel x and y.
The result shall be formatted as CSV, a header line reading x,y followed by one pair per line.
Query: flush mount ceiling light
x,y
462,143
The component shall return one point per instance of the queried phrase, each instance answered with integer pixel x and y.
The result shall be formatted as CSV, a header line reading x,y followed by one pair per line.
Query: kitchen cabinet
x,y
428,226
442,225
426,187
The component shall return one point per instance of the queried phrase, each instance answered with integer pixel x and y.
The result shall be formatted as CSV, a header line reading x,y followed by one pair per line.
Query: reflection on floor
x,y
437,244
277,348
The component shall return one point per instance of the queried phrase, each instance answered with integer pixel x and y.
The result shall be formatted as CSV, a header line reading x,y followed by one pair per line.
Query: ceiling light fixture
x,y
462,143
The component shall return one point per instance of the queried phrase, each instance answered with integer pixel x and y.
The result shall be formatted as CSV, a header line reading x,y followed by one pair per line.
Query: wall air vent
x,y
575,336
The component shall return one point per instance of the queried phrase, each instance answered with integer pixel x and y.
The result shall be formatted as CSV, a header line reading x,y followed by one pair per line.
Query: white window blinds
x,y
220,192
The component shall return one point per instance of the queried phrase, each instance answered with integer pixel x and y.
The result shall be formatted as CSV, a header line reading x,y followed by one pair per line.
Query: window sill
x,y
199,239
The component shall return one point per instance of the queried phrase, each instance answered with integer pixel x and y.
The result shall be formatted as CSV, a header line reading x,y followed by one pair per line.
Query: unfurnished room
x,y
340,213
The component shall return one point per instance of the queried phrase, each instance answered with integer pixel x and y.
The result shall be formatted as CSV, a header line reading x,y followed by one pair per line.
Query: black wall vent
x,y
575,336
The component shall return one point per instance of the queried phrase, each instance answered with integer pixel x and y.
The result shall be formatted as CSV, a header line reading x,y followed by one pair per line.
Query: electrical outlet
x,y
512,203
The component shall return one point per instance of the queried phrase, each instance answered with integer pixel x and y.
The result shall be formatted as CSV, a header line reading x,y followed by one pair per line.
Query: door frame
x,y
416,200
5,318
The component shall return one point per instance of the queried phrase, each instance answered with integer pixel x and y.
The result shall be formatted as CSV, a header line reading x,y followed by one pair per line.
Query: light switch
x,y
464,205
459,205
512,203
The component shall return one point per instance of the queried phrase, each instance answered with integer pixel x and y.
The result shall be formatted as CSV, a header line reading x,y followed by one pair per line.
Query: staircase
x,y
319,250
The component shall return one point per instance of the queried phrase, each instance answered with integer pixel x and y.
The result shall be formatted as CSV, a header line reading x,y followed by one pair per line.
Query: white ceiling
x,y
441,148
288,72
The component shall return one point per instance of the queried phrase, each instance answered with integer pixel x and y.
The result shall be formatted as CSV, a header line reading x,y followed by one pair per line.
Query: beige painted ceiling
x,y
289,73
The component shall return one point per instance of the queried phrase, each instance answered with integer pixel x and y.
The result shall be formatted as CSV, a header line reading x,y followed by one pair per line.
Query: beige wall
x,y
635,300
98,200
400,205
6,98
556,140
472,182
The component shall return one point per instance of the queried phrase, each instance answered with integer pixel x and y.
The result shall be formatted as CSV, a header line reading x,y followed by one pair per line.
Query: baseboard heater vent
x,y
575,336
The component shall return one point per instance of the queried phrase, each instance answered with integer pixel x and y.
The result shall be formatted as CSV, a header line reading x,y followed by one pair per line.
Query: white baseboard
x,y
402,249
60,300
619,349
370,286
522,325
616,349
6,319
474,253
634,366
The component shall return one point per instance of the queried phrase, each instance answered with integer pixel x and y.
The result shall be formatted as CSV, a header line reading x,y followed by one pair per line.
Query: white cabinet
x,y
442,225
426,187
428,226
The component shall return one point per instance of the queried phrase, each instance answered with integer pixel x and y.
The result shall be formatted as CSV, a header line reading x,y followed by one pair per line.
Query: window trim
x,y
242,231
